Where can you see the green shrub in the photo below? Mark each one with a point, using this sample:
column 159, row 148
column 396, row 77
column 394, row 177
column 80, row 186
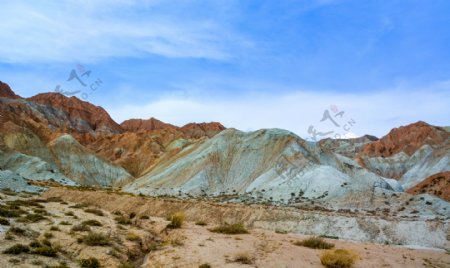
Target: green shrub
column 16, row 230
column 122, row 220
column 31, row 218
column 201, row 223
column 48, row 235
column 315, row 243
column 55, row 228
column 133, row 237
column 90, row 263
column 92, row 223
column 338, row 258
column 96, row 239
column 17, row 249
column 236, row 228
column 81, row 228
column 47, row 251
column 9, row 212
column 97, row 212
column 4, row 221
column 176, row 220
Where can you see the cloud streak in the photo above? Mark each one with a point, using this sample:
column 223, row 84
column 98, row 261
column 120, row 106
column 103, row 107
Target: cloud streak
column 88, row 31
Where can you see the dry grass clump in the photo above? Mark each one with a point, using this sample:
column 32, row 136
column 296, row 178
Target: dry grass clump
column 95, row 211
column 176, row 220
column 315, row 243
column 201, row 223
column 92, row 223
column 4, row 221
column 338, row 258
column 81, row 228
column 235, row 228
column 17, row 249
column 205, row 265
column 133, row 237
column 244, row 258
column 90, row 263
column 122, row 220
column 32, row 218
column 96, row 239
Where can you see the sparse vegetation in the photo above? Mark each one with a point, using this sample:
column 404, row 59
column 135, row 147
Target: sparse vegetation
column 45, row 250
column 17, row 249
column 176, row 220
column 236, row 228
column 4, row 221
column 81, row 228
column 315, row 243
column 133, row 237
column 338, row 258
column 96, row 239
column 94, row 211
column 90, row 263
column 31, row 218
column 92, row 223
column 122, row 220
column 243, row 257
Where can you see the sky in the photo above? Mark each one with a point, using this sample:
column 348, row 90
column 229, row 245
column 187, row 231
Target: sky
column 330, row 68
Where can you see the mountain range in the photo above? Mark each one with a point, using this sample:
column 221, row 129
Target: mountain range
column 52, row 138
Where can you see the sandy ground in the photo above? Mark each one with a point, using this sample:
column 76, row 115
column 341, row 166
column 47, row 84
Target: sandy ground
column 190, row 246
column 270, row 249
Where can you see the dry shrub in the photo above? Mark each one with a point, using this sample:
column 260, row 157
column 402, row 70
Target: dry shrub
column 235, row 228
column 338, row 258
column 315, row 243
column 176, row 220
column 244, row 258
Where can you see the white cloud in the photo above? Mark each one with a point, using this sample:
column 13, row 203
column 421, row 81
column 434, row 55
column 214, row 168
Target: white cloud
column 86, row 31
column 373, row 113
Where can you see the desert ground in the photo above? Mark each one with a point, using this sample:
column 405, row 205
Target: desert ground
column 67, row 227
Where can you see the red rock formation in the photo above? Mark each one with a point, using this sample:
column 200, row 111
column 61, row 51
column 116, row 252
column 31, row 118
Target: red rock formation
column 133, row 125
column 407, row 139
column 198, row 130
column 437, row 184
column 84, row 116
column 6, row 91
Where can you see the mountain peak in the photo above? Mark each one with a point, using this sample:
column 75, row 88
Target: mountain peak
column 7, row 92
column 141, row 124
column 407, row 139
column 95, row 116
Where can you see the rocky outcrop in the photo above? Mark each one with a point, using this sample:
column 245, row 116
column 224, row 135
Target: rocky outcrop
column 82, row 116
column 272, row 165
column 133, row 125
column 6, row 92
column 407, row 139
column 84, row 167
column 198, row 130
column 437, row 184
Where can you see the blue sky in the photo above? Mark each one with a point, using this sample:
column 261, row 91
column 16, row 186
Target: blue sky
column 248, row 64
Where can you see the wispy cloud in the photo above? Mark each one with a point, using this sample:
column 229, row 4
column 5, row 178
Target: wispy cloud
column 373, row 112
column 87, row 31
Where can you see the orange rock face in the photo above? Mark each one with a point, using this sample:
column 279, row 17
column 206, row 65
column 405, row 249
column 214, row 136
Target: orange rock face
column 83, row 115
column 438, row 185
column 6, row 92
column 132, row 125
column 195, row 130
column 406, row 139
